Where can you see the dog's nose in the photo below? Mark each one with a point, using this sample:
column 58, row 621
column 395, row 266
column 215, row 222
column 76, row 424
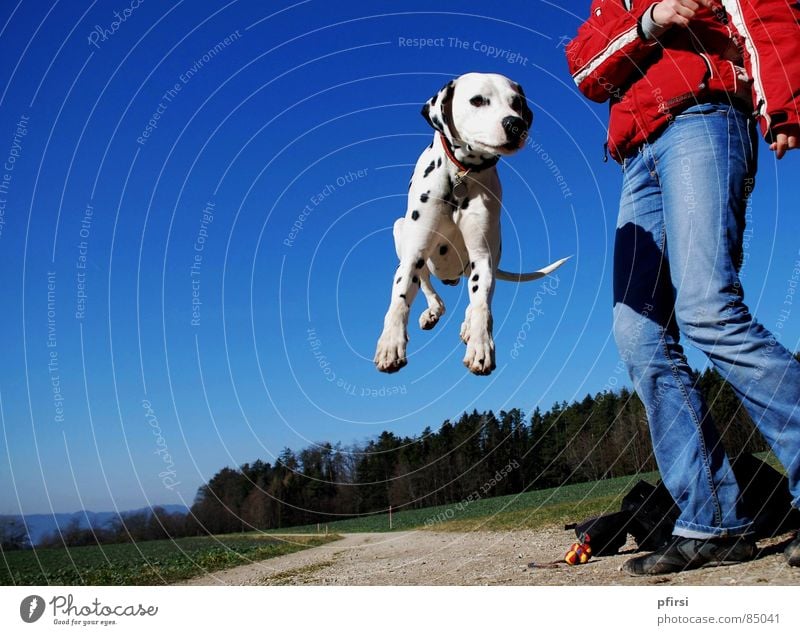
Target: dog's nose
column 516, row 129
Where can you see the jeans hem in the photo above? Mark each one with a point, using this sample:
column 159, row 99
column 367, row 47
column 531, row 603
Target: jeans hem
column 690, row 530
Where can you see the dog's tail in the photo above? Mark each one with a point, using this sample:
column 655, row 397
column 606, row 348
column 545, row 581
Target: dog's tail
column 534, row 275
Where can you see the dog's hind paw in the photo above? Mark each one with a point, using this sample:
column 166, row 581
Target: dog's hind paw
column 430, row 318
column 390, row 355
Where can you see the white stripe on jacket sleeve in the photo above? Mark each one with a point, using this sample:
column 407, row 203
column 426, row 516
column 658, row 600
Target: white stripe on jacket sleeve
column 614, row 47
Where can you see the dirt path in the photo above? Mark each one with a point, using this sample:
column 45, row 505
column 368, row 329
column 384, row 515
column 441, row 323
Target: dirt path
column 478, row 558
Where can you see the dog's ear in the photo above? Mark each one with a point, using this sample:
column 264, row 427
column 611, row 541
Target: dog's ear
column 525, row 111
column 438, row 112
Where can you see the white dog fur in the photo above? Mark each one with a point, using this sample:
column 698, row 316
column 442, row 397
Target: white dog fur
column 452, row 225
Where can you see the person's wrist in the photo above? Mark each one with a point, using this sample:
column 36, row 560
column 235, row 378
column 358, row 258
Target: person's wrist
column 652, row 13
column 649, row 27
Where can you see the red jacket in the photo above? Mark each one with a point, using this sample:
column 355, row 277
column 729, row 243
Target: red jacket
column 749, row 52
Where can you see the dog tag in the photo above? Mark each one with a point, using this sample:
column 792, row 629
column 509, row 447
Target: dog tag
column 460, row 188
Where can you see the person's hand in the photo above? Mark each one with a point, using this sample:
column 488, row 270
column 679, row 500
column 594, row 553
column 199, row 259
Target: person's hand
column 785, row 141
column 679, row 12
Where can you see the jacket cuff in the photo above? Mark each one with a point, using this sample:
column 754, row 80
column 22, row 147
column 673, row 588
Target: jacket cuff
column 785, row 127
column 649, row 29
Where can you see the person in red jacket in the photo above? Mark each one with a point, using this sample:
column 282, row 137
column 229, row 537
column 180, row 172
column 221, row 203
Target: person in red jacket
column 689, row 83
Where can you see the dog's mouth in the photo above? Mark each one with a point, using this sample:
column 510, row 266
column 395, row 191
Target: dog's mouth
column 505, row 149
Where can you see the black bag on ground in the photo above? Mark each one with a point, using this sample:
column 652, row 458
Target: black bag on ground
column 653, row 514
column 765, row 496
column 648, row 512
column 606, row 534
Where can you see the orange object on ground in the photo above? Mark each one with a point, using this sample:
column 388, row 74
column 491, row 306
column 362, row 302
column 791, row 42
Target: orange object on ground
column 579, row 553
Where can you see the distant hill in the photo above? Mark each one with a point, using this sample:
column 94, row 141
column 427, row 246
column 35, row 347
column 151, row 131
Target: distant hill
column 41, row 525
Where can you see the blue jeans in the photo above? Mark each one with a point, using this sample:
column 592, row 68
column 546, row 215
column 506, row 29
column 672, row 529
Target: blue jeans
column 676, row 260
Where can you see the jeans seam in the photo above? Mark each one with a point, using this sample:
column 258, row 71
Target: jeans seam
column 723, row 211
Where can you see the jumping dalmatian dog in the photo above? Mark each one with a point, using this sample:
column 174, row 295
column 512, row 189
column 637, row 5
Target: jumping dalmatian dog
column 452, row 225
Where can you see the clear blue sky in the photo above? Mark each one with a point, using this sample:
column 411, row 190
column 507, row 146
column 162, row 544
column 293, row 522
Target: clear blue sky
column 307, row 112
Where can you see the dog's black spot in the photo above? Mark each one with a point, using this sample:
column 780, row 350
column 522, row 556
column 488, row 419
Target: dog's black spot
column 403, row 295
column 471, row 156
column 465, row 203
column 472, row 264
column 475, row 278
column 424, row 197
column 437, row 123
column 439, row 162
column 435, row 97
column 429, row 169
column 430, row 147
column 475, row 288
column 398, row 280
column 419, row 264
column 415, row 280
column 414, row 215
column 451, row 283
column 442, row 250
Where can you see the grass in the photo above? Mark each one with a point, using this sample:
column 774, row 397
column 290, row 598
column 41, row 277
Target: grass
column 152, row 562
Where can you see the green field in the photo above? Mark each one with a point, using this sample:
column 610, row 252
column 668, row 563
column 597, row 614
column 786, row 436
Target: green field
column 151, row 562
column 531, row 510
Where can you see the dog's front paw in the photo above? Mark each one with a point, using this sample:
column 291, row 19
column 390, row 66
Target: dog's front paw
column 430, row 317
column 390, row 355
column 480, row 353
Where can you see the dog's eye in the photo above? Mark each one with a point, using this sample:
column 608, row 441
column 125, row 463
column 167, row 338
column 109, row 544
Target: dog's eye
column 516, row 104
column 479, row 101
